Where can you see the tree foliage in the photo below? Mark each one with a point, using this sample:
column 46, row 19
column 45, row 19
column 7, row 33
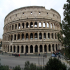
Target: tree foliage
column 4, row 67
column 65, row 26
column 17, row 68
column 55, row 64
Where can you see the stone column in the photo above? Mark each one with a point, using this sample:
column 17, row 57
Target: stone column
column 46, row 35
column 38, row 35
column 29, row 24
column 47, row 47
column 42, row 36
column 16, row 36
column 24, row 25
column 20, row 36
column 37, row 24
column 28, row 49
column 19, row 48
column 20, row 25
column 9, row 48
column 45, row 25
column 17, row 26
column 33, row 35
column 12, row 49
column 43, row 48
column 42, row 24
column 33, row 48
column 24, row 36
column 33, row 24
column 38, row 49
column 55, row 47
column 16, row 48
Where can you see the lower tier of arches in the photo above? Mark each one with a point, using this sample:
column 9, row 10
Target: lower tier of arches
column 31, row 49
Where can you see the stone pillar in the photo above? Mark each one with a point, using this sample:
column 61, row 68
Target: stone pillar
column 33, row 24
column 24, row 36
column 46, row 35
column 42, row 36
column 42, row 24
column 19, row 48
column 43, row 48
column 45, row 25
column 9, row 48
column 20, row 25
column 24, row 25
column 47, row 47
column 37, row 24
column 55, row 47
column 33, row 48
column 12, row 49
column 17, row 26
column 38, row 35
column 28, row 48
column 33, row 35
column 29, row 24
column 16, row 48
column 38, row 49
column 16, row 36
column 20, row 36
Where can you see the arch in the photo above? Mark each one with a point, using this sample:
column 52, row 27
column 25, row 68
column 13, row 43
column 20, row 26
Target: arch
column 52, row 35
column 41, row 50
column 26, row 35
column 22, row 49
column 22, row 25
column 40, row 24
column 36, row 48
column 51, row 25
column 35, row 36
column 17, row 49
column 11, row 37
column 14, row 48
column 53, row 47
column 27, row 25
column 48, row 35
column 56, row 47
column 26, row 49
column 31, row 49
column 15, row 26
column 19, row 26
column 44, row 24
column 44, row 35
column 40, row 35
column 45, row 48
column 15, row 37
column 12, row 27
column 22, row 36
column 49, row 48
column 18, row 36
column 11, row 49
column 47, row 25
column 31, row 36
column 35, row 24
column 31, row 24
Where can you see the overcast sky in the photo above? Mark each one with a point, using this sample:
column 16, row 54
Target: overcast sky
column 7, row 6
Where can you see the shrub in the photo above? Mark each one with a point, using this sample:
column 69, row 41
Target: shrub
column 55, row 64
column 17, row 68
column 4, row 67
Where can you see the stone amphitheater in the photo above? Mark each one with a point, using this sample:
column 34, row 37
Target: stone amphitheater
column 30, row 30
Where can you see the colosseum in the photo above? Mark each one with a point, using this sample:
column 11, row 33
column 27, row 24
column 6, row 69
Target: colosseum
column 31, row 30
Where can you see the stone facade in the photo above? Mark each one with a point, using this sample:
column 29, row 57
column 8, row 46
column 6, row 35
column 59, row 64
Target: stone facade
column 31, row 30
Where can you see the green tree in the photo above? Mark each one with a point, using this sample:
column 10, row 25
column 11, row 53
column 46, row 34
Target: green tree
column 55, row 64
column 17, row 68
column 65, row 28
column 4, row 67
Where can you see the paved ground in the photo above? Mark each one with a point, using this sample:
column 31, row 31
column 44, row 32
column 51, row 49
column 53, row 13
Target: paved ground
column 13, row 61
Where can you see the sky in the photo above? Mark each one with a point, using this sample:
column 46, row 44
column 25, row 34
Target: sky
column 7, row 6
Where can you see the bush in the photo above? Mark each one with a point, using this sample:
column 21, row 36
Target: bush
column 55, row 64
column 4, row 67
column 17, row 68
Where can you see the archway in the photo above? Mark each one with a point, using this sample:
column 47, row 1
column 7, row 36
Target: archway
column 17, row 49
column 40, row 48
column 31, row 49
column 21, row 49
column 11, row 49
column 36, row 48
column 53, row 47
column 26, row 49
column 49, row 48
column 14, row 49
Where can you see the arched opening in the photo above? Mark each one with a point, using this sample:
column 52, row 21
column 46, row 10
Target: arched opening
column 8, row 48
column 41, row 48
column 36, row 36
column 49, row 48
column 43, row 24
column 44, row 35
column 22, row 25
column 26, row 35
column 40, row 24
column 26, row 49
column 53, row 47
column 52, row 35
column 27, row 25
column 11, row 37
column 19, row 26
column 40, row 35
column 31, row 36
column 48, row 35
column 18, row 36
column 17, row 49
column 15, row 26
column 55, row 35
column 22, row 36
column 45, row 48
column 36, row 48
column 11, row 49
column 14, row 49
column 22, row 49
column 31, row 49
column 56, row 47
column 31, row 25
column 51, row 25
column 47, row 25
column 12, row 27
column 35, row 24
column 15, row 37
